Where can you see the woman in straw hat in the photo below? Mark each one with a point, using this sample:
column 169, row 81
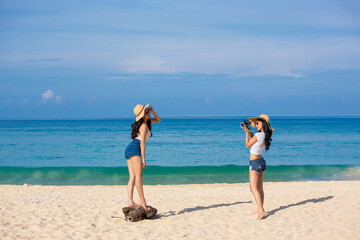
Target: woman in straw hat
column 135, row 152
column 259, row 141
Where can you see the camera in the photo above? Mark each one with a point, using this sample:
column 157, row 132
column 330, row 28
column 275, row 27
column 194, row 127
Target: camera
column 245, row 124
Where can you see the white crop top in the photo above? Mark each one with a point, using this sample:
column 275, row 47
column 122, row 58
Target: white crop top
column 259, row 145
column 148, row 134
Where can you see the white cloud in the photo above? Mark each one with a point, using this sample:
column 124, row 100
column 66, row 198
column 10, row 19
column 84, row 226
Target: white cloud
column 243, row 39
column 47, row 96
column 118, row 78
column 208, row 100
column 91, row 100
column 59, row 99
column 25, row 101
column 144, row 64
column 241, row 55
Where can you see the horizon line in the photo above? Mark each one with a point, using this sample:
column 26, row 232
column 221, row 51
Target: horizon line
column 170, row 116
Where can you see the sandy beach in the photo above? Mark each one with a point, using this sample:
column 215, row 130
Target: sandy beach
column 297, row 210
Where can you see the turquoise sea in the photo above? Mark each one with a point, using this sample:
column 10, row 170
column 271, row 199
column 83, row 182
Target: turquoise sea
column 181, row 151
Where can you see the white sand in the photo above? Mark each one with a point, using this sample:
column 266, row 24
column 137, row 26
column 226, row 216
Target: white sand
column 298, row 210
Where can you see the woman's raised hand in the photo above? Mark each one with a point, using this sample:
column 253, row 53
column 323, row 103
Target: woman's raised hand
column 151, row 109
column 245, row 129
column 157, row 118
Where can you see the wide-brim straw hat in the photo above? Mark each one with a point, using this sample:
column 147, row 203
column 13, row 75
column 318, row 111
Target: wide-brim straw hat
column 139, row 111
column 262, row 117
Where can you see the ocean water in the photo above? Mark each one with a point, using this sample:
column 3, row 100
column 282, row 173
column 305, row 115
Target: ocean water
column 181, row 151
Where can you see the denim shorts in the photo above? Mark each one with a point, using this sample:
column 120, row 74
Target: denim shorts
column 133, row 149
column 258, row 165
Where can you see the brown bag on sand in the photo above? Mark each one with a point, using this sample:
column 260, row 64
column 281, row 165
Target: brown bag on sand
column 134, row 214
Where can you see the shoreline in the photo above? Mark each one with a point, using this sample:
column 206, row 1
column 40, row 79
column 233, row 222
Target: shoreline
column 154, row 175
column 297, row 210
column 179, row 185
column 175, row 185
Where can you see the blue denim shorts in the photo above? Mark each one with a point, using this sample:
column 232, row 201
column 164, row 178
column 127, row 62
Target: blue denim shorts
column 133, row 149
column 258, row 165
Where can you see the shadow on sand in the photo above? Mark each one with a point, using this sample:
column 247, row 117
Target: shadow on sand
column 198, row 208
column 313, row 200
column 270, row 213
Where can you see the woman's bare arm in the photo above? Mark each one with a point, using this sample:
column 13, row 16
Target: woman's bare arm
column 157, row 118
column 249, row 141
column 143, row 130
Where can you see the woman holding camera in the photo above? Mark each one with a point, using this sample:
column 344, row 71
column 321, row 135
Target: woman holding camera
column 257, row 142
column 135, row 151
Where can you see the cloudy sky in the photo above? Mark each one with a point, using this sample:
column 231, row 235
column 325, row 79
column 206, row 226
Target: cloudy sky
column 69, row 59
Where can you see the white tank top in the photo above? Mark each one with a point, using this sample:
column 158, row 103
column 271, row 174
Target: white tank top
column 259, row 145
column 148, row 134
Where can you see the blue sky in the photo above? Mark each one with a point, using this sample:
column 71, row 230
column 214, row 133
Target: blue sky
column 64, row 59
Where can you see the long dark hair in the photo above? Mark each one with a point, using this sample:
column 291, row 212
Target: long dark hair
column 268, row 133
column 136, row 126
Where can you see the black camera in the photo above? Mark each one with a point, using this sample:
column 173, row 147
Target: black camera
column 245, row 124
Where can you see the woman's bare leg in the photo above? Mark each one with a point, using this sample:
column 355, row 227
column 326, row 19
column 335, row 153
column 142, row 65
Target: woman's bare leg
column 260, row 187
column 136, row 163
column 130, row 187
column 251, row 190
column 254, row 183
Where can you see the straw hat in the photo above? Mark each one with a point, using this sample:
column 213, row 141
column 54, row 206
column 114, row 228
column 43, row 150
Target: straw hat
column 262, row 117
column 139, row 111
